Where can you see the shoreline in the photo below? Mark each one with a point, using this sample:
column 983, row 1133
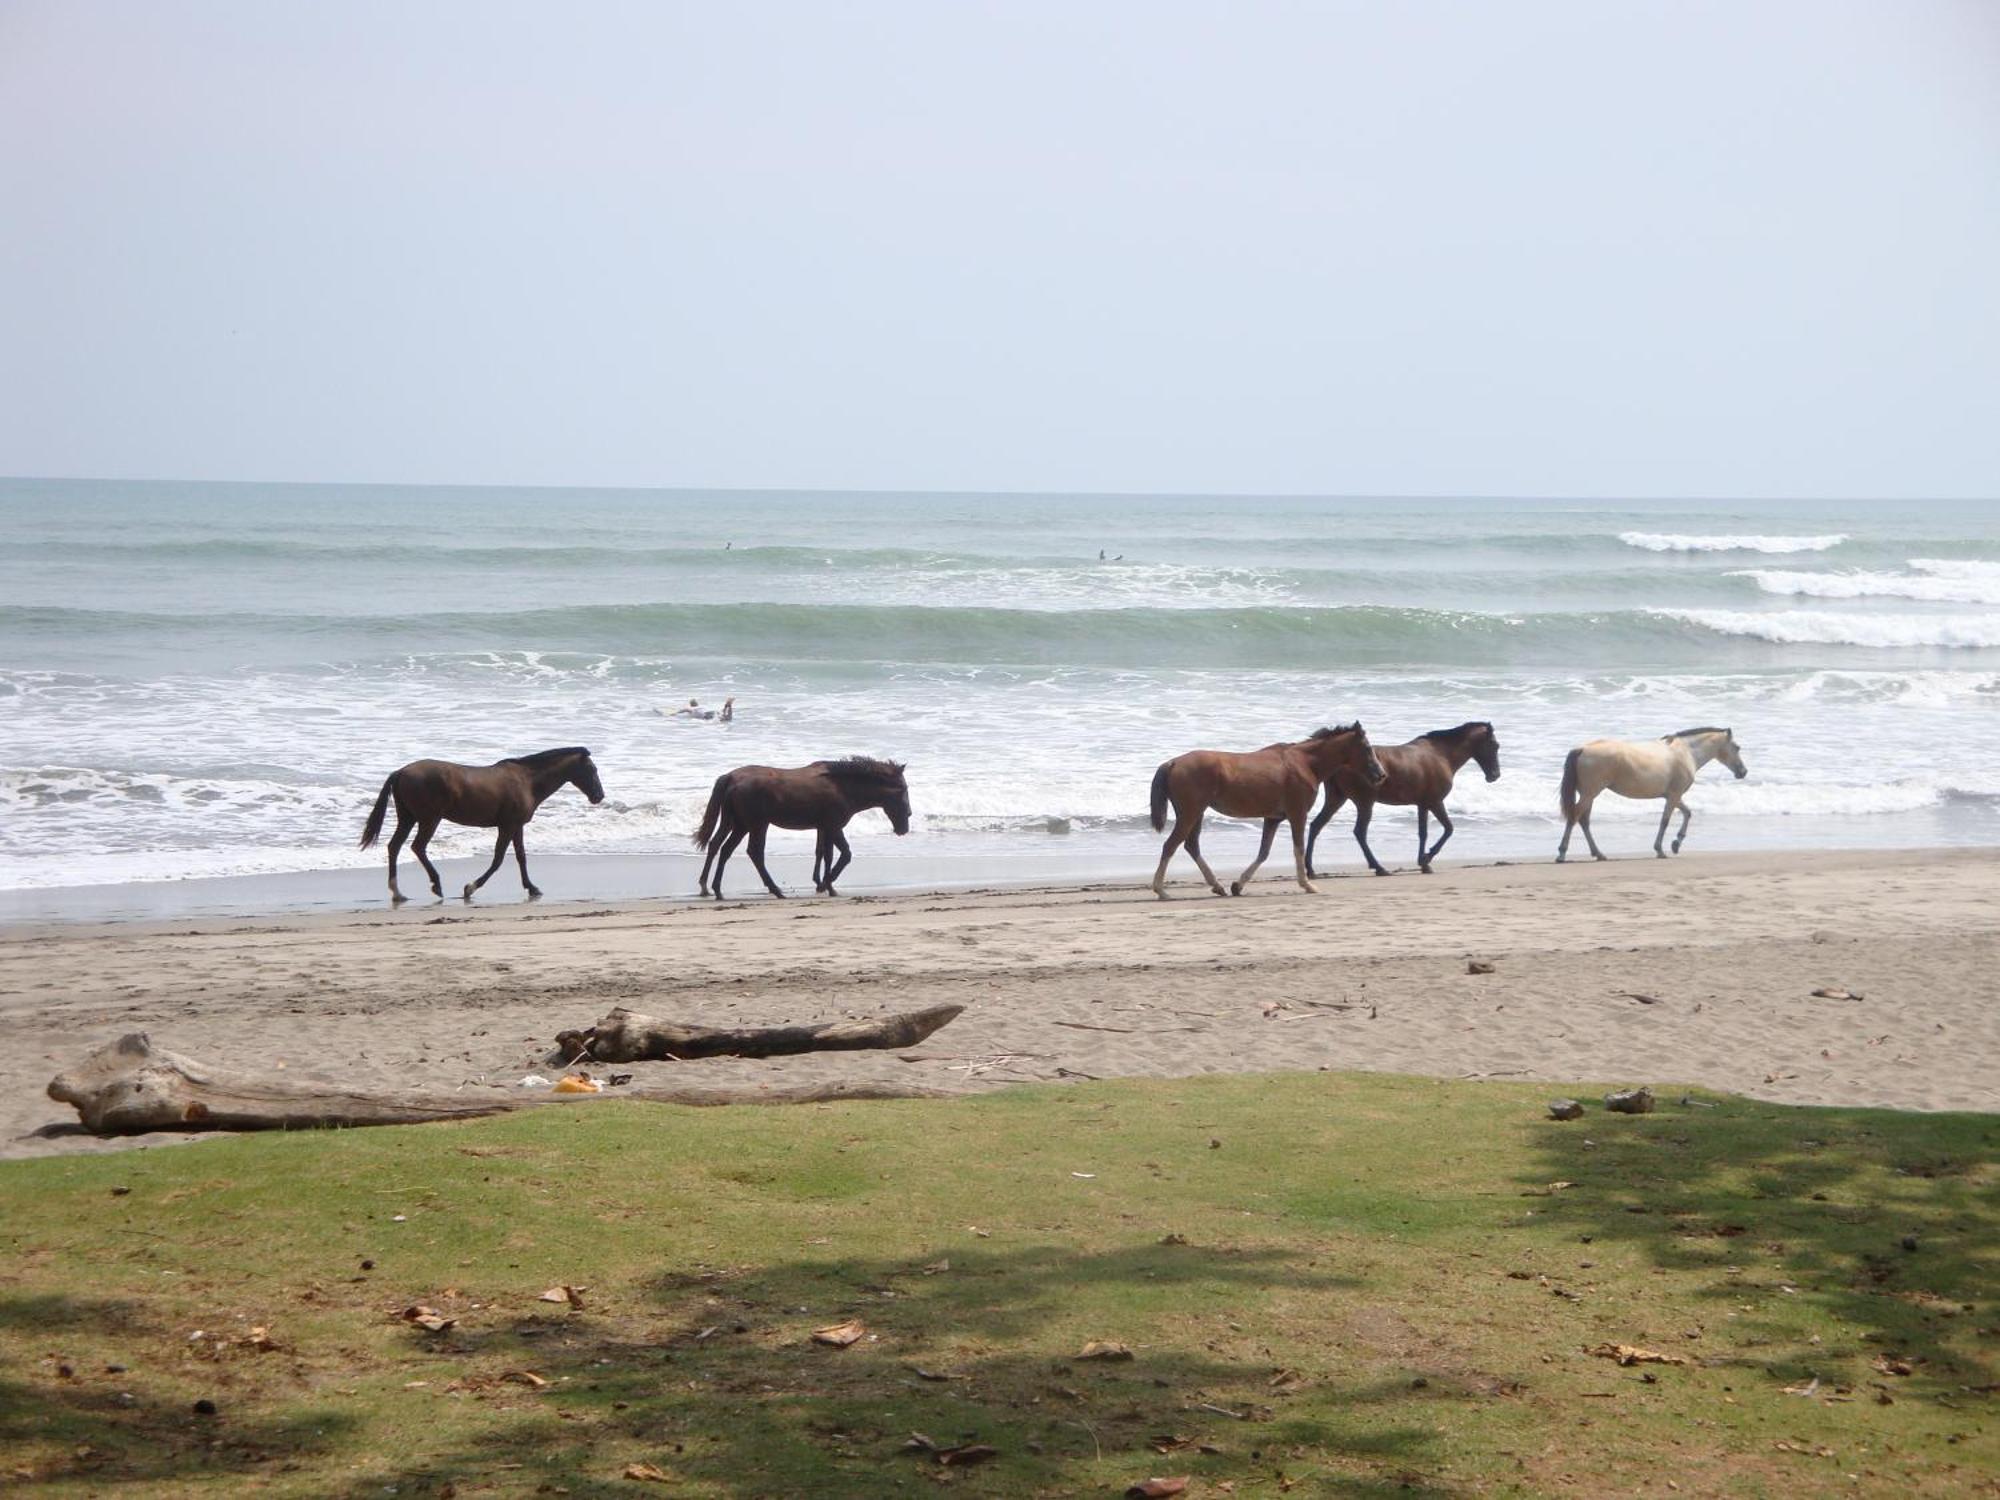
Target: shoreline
column 884, row 865
column 1066, row 981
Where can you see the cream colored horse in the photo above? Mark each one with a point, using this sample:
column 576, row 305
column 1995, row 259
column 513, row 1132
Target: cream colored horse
column 1640, row 768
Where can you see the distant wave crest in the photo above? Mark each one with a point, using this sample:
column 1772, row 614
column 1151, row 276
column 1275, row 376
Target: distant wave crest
column 1963, row 584
column 1817, row 628
column 1672, row 541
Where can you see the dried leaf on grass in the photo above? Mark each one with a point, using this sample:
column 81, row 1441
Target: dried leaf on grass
column 1893, row 1364
column 840, row 1335
column 1632, row 1354
column 958, row 1457
column 427, row 1318
column 1157, row 1489
column 528, row 1378
column 1104, row 1349
column 572, row 1295
column 652, row 1473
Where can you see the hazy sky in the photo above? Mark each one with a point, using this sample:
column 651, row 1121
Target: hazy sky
column 1572, row 249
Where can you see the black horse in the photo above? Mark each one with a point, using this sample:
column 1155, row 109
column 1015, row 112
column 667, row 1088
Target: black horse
column 503, row 795
column 823, row 796
column 1420, row 774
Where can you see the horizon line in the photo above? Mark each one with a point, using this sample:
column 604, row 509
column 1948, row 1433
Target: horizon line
column 974, row 493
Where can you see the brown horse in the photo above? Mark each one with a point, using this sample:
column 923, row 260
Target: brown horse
column 822, row 796
column 503, row 795
column 1420, row 774
column 1277, row 784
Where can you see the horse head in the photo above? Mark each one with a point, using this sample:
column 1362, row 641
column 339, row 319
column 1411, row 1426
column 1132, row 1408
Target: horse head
column 898, row 804
column 584, row 774
column 1346, row 748
column 1486, row 750
column 1730, row 755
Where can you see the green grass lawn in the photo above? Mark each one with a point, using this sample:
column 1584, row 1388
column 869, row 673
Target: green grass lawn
column 1329, row 1284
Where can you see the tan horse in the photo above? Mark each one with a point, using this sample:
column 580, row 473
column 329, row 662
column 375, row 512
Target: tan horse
column 503, row 795
column 1278, row 784
column 1642, row 769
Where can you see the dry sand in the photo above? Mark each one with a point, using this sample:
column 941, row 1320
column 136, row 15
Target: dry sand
column 1101, row 982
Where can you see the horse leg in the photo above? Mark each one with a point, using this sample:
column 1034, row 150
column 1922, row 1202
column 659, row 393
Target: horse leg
column 1687, row 816
column 421, row 843
column 499, row 853
column 1444, row 822
column 1174, row 841
column 822, row 858
column 1334, row 802
column 757, row 837
column 1263, row 853
column 728, row 847
column 1194, row 848
column 1299, row 851
column 1666, row 817
column 1583, row 822
column 521, row 858
column 837, row 840
column 396, row 896
column 1363, row 813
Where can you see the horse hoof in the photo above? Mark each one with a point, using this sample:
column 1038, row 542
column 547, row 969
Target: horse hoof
column 1380, row 871
column 1426, row 869
column 1235, row 887
column 534, row 893
column 397, row 898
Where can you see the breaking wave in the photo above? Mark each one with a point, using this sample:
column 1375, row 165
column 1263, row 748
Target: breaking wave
column 1670, row 541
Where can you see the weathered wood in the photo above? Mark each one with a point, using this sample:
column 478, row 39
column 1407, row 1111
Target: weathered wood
column 130, row 1086
column 627, row 1036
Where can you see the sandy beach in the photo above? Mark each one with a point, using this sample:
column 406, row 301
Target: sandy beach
column 1098, row 982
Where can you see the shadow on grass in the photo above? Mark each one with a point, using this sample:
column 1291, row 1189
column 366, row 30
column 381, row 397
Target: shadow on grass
column 724, row 1389
column 1886, row 1223
column 90, row 1422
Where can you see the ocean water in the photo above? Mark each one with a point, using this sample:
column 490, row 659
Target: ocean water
column 206, row 680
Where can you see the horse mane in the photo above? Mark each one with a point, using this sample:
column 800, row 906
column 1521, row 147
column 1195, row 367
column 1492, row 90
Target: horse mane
column 1331, row 730
column 543, row 758
column 866, row 768
column 1688, row 734
column 1459, row 733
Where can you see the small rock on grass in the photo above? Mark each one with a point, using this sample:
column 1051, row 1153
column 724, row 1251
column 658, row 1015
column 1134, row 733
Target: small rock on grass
column 1565, row 1109
column 1630, row 1102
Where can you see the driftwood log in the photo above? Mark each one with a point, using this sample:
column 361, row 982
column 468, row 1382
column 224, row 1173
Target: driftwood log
column 130, row 1086
column 626, row 1036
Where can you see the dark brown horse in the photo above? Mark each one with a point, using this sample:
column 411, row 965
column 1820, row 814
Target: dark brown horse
column 1420, row 774
column 1277, row 784
column 823, row 796
column 503, row 795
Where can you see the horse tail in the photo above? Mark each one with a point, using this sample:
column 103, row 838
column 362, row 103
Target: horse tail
column 374, row 829
column 714, row 811
column 1160, row 778
column 1569, row 781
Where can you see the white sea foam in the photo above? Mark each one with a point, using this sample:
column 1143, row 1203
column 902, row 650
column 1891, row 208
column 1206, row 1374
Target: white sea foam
column 1672, row 541
column 1956, row 567
column 1818, row 628
column 1955, row 587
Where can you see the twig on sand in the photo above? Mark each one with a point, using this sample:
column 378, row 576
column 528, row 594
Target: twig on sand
column 1087, row 1026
